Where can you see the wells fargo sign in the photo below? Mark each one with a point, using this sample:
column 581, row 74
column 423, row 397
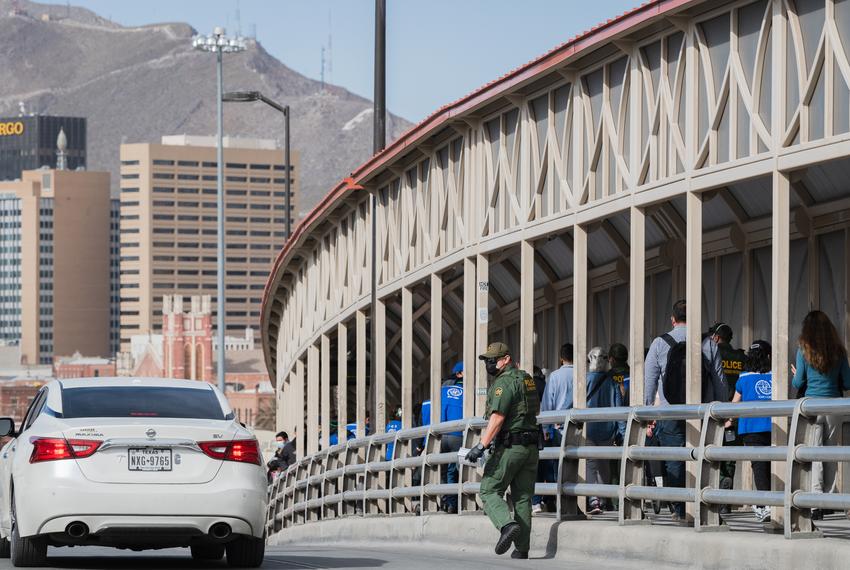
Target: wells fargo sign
column 11, row 128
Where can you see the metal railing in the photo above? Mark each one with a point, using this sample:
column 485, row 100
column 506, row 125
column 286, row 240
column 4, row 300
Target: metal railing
column 356, row 478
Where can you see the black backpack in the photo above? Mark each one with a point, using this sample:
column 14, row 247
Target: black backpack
column 674, row 371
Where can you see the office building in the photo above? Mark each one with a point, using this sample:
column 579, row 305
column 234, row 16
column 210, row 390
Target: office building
column 114, row 276
column 29, row 143
column 169, row 232
column 54, row 264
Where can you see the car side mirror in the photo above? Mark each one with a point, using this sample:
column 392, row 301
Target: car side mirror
column 7, row 427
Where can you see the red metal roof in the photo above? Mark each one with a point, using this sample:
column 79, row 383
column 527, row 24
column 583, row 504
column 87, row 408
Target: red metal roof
column 431, row 124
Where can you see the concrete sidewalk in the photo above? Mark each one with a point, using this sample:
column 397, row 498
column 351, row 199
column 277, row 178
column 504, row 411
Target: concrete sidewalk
column 600, row 537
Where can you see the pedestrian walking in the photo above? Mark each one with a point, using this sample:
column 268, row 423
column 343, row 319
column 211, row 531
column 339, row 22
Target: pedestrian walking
column 732, row 359
column 557, row 395
column 602, row 392
column 451, row 408
column 618, row 357
column 821, row 370
column 754, row 384
column 664, row 378
column 511, row 413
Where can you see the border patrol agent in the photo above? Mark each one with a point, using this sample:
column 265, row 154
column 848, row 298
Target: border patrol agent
column 511, row 413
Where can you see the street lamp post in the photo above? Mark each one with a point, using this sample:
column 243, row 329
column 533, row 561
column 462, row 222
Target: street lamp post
column 219, row 44
column 249, row 96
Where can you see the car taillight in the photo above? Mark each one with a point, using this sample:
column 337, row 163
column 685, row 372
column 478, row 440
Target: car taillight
column 240, row 450
column 54, row 448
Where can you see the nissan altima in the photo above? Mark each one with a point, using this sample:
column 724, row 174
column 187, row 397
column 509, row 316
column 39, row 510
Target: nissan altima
column 131, row 463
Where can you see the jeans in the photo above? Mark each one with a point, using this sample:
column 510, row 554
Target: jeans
column 450, row 443
column 671, row 433
column 547, row 470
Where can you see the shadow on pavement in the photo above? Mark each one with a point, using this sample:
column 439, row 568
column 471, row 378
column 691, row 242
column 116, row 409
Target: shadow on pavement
column 274, row 560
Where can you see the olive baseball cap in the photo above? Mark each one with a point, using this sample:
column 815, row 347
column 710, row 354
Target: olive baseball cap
column 495, row 350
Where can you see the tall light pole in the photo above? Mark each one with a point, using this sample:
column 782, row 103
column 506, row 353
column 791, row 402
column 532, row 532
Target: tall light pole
column 249, row 96
column 219, row 44
column 379, row 141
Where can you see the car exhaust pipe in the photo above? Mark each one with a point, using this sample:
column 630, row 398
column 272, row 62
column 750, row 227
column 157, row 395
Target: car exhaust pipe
column 220, row 531
column 77, row 530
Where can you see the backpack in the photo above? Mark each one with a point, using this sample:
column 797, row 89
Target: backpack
column 674, row 371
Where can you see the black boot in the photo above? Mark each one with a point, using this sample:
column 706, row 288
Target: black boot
column 509, row 533
column 520, row 555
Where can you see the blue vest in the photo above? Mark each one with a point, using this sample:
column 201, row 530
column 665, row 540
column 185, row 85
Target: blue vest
column 753, row 387
column 451, row 404
column 425, row 414
column 392, row 426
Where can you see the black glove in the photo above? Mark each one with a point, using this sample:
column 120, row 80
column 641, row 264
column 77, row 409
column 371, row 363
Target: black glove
column 475, row 453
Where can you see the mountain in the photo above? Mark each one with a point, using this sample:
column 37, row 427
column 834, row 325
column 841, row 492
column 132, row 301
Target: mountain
column 135, row 84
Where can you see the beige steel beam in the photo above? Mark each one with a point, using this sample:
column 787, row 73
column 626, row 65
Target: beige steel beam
column 637, row 286
column 693, row 295
column 379, row 361
column 526, row 303
column 342, row 381
column 360, row 413
column 299, row 433
column 475, row 371
column 780, row 279
column 580, row 296
column 325, row 375
column 312, row 399
column 436, row 345
column 407, row 419
column 469, row 303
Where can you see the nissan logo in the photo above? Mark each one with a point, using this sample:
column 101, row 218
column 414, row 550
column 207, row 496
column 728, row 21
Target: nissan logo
column 151, row 433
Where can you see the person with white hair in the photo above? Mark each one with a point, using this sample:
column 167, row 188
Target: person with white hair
column 602, row 392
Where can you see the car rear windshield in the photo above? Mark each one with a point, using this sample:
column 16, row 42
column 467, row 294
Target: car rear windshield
column 140, row 402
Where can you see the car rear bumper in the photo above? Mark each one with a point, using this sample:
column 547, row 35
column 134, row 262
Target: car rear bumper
column 130, row 530
column 238, row 495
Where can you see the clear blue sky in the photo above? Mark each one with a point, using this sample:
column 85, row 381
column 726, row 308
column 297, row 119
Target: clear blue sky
column 437, row 50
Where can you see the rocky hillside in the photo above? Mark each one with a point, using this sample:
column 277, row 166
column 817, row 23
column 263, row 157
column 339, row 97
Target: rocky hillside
column 137, row 84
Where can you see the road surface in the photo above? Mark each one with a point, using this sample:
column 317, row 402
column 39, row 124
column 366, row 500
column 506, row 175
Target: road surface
column 313, row 556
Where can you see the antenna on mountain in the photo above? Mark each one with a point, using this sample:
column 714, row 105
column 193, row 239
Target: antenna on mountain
column 322, row 73
column 238, row 21
column 330, row 48
column 252, row 31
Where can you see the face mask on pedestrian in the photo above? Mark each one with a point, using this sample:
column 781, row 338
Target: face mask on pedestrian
column 279, row 444
column 491, row 364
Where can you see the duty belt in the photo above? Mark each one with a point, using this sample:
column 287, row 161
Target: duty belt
column 509, row 439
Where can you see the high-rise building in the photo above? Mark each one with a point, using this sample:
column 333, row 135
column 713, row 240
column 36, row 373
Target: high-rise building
column 169, row 232
column 114, row 276
column 29, row 143
column 54, row 264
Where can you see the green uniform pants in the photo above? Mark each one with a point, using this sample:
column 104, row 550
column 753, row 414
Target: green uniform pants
column 514, row 467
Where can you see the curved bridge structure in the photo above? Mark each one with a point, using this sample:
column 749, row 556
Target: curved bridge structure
column 687, row 149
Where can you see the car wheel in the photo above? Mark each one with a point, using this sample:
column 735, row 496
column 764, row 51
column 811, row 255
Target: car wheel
column 246, row 552
column 207, row 551
column 5, row 548
column 29, row 551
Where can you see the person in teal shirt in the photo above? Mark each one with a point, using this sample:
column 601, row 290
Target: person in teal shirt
column 822, row 371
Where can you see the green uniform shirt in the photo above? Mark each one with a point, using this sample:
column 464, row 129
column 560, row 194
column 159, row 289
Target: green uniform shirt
column 514, row 395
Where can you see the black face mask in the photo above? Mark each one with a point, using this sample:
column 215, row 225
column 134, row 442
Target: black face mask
column 490, row 365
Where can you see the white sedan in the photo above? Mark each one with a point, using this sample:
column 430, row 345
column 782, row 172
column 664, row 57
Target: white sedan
column 131, row 463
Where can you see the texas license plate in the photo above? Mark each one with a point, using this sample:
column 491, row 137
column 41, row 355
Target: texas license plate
column 149, row 459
